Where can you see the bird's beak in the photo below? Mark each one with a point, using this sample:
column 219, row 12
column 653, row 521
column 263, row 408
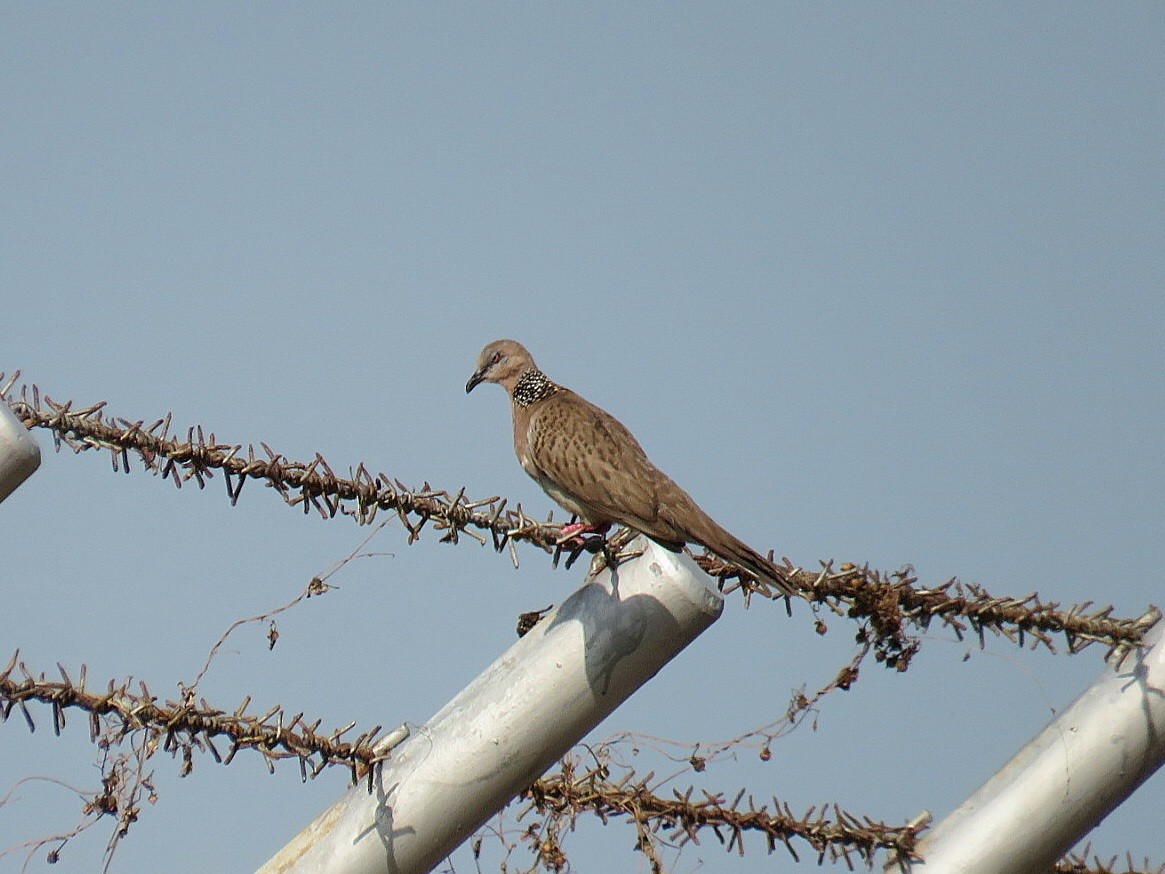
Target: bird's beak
column 474, row 380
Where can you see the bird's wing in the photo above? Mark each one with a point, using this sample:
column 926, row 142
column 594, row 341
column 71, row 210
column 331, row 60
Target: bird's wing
column 588, row 462
column 589, row 455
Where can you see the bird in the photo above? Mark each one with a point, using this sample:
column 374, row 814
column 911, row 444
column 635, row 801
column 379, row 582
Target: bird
column 591, row 465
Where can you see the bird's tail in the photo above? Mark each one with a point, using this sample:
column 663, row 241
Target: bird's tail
column 729, row 548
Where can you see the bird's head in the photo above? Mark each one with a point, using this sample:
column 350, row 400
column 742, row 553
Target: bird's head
column 503, row 362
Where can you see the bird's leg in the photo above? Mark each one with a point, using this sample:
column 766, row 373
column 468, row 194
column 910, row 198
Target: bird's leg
column 610, row 552
column 575, row 531
column 579, row 537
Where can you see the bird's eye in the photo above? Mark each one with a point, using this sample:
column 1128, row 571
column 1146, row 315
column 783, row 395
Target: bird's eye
column 495, row 358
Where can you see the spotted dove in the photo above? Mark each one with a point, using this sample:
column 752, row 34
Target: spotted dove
column 588, row 462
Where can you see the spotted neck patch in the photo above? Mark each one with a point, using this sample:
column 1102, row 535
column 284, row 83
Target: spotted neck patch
column 533, row 385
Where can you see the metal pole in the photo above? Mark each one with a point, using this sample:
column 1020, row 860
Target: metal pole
column 514, row 721
column 19, row 453
column 1065, row 781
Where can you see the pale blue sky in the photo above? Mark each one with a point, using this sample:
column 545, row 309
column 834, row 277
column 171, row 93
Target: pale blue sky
column 876, row 284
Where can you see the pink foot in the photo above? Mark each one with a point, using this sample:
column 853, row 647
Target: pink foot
column 573, row 532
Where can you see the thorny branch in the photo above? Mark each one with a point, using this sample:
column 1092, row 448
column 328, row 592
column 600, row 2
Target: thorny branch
column 888, row 604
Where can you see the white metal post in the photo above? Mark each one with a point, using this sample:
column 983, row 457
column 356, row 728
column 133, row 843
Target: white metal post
column 19, row 453
column 514, row 721
column 1065, row 781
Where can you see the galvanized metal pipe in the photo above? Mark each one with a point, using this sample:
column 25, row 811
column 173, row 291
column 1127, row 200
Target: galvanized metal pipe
column 514, row 721
column 1065, row 781
column 19, row 453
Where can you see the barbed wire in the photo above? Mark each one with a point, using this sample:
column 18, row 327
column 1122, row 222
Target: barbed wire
column 1077, row 863
column 183, row 727
column 888, row 603
column 830, row 831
